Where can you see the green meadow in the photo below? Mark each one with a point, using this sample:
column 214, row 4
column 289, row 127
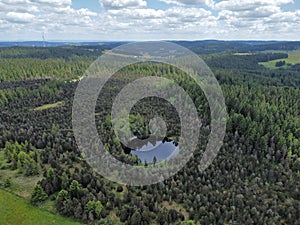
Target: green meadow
column 15, row 210
column 294, row 58
column 49, row 106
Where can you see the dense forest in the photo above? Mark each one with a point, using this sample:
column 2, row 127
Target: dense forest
column 255, row 178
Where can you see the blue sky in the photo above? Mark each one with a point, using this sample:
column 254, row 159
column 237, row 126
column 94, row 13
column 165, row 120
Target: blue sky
column 94, row 20
column 95, row 5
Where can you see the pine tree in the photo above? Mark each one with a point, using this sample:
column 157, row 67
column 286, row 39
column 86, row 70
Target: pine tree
column 38, row 194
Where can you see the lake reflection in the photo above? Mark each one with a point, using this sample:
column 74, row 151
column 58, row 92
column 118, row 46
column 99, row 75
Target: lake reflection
column 161, row 150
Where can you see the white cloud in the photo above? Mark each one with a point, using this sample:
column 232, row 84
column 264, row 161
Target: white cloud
column 33, row 6
column 19, row 17
column 14, row 1
column 85, row 12
column 284, row 17
column 189, row 2
column 258, row 13
column 149, row 20
column 181, row 12
column 246, row 5
column 137, row 13
column 254, row 17
column 118, row 4
column 17, row 6
column 132, row 19
column 54, row 3
column 174, row 12
column 27, row 19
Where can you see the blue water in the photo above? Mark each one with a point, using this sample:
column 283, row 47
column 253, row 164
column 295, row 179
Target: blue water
column 161, row 150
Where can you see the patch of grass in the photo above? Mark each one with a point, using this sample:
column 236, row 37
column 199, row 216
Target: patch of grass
column 48, row 205
column 294, row 58
column 242, row 53
column 177, row 207
column 19, row 184
column 120, row 195
column 49, row 106
column 15, row 210
column 114, row 218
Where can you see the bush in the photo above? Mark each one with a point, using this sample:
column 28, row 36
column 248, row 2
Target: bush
column 280, row 63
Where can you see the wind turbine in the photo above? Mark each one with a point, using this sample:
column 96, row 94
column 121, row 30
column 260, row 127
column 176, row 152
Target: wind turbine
column 43, row 37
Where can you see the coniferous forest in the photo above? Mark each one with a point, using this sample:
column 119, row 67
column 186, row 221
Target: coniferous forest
column 255, row 178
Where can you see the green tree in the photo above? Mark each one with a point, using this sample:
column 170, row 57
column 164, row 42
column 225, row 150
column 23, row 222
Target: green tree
column 50, row 173
column 31, row 167
column 94, row 209
column 38, row 194
column 154, row 160
column 136, row 218
column 189, row 222
column 62, row 201
column 22, row 157
column 75, row 188
column 7, row 183
column 8, row 151
column 55, row 129
column 98, row 209
column 65, row 181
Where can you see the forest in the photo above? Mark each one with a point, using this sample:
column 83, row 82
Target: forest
column 255, row 178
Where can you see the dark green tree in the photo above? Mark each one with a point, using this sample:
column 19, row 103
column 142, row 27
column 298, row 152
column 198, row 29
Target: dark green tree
column 38, row 195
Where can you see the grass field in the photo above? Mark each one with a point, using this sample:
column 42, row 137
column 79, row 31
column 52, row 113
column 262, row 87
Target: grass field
column 242, row 53
column 18, row 211
column 14, row 200
column 294, row 58
column 20, row 184
column 49, row 106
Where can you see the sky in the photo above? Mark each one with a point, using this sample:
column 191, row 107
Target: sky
column 115, row 20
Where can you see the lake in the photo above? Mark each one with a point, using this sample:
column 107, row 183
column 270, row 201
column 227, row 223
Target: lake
column 162, row 150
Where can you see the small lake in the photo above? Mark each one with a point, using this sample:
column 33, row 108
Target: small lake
column 162, row 150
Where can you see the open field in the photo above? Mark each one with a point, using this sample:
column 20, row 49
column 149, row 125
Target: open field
column 49, row 106
column 243, row 53
column 294, row 58
column 19, row 184
column 15, row 210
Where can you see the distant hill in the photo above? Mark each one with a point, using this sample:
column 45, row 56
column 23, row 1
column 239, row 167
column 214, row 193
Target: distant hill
column 199, row 47
column 56, row 44
column 214, row 46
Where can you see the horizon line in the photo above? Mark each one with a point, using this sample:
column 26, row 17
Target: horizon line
column 187, row 40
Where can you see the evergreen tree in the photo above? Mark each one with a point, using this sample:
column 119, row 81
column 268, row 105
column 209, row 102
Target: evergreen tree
column 38, row 194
